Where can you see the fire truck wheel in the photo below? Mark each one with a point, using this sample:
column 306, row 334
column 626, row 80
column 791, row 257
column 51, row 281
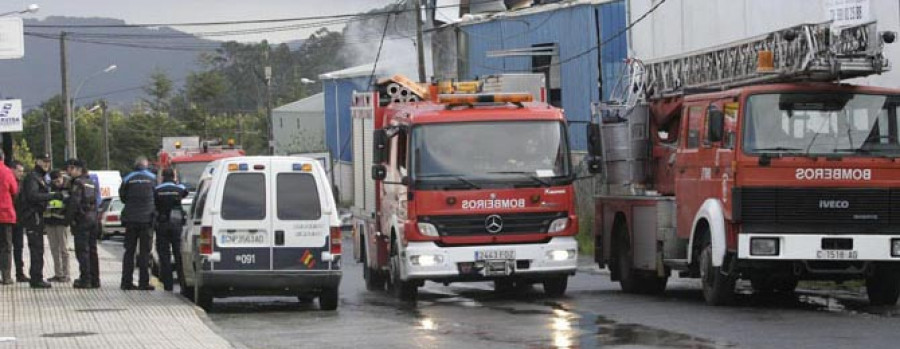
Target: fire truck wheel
column 374, row 279
column 328, row 300
column 883, row 286
column 718, row 288
column 628, row 279
column 556, row 286
column 403, row 290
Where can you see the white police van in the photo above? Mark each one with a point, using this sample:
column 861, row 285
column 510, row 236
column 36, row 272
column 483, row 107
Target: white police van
column 262, row 225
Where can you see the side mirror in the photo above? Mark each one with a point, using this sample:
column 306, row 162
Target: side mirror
column 379, row 146
column 715, row 124
column 593, row 139
column 594, row 164
column 379, row 172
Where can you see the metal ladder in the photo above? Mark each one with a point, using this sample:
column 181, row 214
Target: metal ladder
column 807, row 52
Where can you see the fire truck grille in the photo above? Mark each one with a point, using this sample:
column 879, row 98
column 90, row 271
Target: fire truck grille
column 518, row 223
column 818, row 205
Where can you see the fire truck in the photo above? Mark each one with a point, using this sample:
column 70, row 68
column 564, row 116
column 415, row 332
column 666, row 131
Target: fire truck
column 467, row 187
column 189, row 156
column 752, row 161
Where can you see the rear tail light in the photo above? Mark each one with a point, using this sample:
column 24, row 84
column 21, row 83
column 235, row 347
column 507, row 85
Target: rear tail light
column 112, row 218
column 206, row 241
column 335, row 240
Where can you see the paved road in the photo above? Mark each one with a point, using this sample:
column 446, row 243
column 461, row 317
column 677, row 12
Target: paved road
column 593, row 314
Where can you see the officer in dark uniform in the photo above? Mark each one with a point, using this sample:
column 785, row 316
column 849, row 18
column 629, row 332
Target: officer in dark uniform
column 81, row 213
column 136, row 193
column 169, row 222
column 35, row 194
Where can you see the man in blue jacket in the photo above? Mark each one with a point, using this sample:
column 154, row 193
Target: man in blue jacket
column 136, row 193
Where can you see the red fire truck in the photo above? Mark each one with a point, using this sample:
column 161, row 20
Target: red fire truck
column 753, row 161
column 469, row 187
column 189, row 156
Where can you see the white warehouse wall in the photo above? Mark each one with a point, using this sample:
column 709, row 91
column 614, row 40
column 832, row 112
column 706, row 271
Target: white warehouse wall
column 679, row 26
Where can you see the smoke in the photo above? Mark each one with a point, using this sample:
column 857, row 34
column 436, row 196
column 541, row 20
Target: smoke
column 398, row 54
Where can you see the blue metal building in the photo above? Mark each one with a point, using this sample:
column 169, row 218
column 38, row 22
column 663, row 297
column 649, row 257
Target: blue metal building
column 579, row 45
column 338, row 87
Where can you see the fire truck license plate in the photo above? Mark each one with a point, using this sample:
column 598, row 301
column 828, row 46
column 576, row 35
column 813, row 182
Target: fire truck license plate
column 837, row 254
column 495, row 254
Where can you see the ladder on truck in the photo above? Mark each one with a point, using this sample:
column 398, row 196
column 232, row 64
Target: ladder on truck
column 806, row 52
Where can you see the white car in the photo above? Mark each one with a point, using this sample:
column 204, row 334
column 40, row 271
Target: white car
column 263, row 225
column 111, row 217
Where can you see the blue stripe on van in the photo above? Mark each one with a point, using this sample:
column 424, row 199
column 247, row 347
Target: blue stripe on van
column 243, row 258
column 291, row 258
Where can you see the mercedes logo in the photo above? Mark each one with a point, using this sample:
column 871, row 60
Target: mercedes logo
column 493, row 224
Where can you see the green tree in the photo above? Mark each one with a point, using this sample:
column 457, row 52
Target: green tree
column 22, row 152
column 159, row 90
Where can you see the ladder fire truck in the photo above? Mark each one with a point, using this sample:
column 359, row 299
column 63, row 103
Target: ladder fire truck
column 752, row 161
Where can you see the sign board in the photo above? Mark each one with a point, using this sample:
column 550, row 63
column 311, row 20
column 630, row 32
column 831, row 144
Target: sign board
column 11, row 115
column 848, row 12
column 12, row 38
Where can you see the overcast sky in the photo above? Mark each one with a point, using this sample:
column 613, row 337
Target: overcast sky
column 180, row 11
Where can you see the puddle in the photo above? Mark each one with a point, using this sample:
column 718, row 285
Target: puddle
column 100, row 310
column 613, row 333
column 68, row 334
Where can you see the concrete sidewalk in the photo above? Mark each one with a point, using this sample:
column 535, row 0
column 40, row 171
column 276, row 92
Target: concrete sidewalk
column 63, row 317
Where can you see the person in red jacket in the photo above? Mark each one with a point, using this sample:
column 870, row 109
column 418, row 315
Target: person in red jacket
column 9, row 188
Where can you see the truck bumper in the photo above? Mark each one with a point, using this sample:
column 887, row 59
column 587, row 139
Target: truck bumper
column 450, row 263
column 816, row 247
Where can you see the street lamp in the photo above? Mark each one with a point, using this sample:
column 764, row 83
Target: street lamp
column 30, row 9
column 72, row 152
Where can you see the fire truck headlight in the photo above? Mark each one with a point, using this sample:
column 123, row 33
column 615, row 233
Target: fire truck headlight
column 558, row 225
column 895, row 247
column 426, row 260
column 561, row 255
column 428, row 229
column 764, row 247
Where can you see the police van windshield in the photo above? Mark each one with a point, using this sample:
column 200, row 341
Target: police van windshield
column 516, row 152
column 838, row 124
column 189, row 173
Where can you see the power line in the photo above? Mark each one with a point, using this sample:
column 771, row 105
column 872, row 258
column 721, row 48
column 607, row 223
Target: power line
column 253, row 21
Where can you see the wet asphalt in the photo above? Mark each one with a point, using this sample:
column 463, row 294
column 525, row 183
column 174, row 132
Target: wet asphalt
column 593, row 314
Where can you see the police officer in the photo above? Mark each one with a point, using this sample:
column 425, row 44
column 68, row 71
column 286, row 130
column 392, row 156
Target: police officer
column 35, row 196
column 18, row 231
column 81, row 213
column 57, row 228
column 169, row 222
column 136, row 193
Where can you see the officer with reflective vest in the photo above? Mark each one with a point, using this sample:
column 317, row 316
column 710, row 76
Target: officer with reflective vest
column 81, row 213
column 58, row 228
column 170, row 219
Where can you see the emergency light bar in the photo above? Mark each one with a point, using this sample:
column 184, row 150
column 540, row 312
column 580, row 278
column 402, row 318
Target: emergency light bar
column 485, row 98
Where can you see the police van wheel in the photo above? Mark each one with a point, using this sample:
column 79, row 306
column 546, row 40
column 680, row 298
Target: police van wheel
column 328, row 300
column 205, row 300
column 883, row 286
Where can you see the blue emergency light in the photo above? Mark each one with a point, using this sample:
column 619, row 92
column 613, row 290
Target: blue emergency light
column 243, row 167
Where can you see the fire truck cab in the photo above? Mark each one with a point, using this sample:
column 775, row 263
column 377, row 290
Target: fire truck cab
column 471, row 188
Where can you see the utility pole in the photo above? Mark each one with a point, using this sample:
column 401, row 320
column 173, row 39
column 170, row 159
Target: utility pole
column 420, row 44
column 48, row 144
column 103, row 109
column 270, row 125
column 67, row 105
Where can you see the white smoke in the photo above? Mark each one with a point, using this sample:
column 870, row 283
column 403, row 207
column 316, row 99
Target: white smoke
column 398, row 53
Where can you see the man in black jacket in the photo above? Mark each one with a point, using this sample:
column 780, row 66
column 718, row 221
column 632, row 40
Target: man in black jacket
column 81, row 213
column 18, row 231
column 169, row 222
column 35, row 196
column 136, row 193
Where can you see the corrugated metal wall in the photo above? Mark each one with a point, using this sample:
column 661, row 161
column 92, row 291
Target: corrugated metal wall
column 575, row 31
column 338, row 95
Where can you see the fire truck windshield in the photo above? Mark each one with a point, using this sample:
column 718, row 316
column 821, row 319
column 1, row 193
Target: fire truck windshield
column 516, row 152
column 189, row 172
column 840, row 124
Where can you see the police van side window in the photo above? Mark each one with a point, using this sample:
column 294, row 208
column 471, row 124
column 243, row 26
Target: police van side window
column 200, row 201
column 245, row 197
column 302, row 199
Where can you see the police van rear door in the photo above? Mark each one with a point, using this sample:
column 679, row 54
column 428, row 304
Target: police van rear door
column 300, row 219
column 242, row 228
